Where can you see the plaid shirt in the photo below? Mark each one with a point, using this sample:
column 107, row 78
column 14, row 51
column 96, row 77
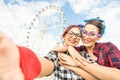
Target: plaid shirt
column 61, row 73
column 107, row 54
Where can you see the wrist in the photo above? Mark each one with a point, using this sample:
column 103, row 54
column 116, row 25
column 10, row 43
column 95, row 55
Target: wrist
column 64, row 49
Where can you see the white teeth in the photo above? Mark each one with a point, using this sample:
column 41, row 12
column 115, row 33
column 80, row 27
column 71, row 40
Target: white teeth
column 86, row 41
column 72, row 41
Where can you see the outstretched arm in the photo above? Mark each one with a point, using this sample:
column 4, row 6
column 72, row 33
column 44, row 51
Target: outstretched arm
column 101, row 72
column 9, row 52
column 47, row 67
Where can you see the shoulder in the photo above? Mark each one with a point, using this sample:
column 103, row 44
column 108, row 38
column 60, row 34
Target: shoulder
column 108, row 45
column 27, row 54
column 80, row 48
column 28, row 57
column 52, row 55
column 105, row 44
column 26, row 51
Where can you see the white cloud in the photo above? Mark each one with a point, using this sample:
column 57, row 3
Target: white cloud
column 15, row 19
column 83, row 5
column 109, row 13
column 106, row 10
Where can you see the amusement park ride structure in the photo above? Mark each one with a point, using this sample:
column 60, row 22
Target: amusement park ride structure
column 48, row 23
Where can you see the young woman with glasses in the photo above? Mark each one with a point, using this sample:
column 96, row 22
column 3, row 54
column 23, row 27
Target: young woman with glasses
column 106, row 54
column 21, row 63
column 71, row 37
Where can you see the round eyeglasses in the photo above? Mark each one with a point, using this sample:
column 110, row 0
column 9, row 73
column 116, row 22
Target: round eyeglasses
column 72, row 34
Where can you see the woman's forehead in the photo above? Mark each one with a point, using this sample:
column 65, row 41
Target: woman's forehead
column 90, row 27
column 75, row 29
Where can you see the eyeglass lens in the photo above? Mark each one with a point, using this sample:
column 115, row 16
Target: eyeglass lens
column 71, row 34
column 90, row 34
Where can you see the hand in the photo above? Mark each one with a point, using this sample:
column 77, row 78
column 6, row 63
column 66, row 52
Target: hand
column 78, row 59
column 4, row 41
column 66, row 60
column 67, row 66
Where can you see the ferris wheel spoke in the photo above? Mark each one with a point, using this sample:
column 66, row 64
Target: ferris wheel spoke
column 50, row 21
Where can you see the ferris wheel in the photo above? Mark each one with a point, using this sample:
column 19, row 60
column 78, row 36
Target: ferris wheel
column 45, row 29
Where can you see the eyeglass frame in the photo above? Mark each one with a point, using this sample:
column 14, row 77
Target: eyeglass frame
column 90, row 34
column 71, row 34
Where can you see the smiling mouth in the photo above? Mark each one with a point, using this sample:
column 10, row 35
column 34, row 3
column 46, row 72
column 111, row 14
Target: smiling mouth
column 72, row 42
column 87, row 41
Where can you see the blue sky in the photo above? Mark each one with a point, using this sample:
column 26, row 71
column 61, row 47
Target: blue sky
column 17, row 15
column 71, row 16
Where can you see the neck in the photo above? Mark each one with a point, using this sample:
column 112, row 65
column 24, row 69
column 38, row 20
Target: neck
column 90, row 49
column 90, row 52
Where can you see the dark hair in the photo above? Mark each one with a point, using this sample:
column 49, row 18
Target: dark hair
column 98, row 23
column 68, row 28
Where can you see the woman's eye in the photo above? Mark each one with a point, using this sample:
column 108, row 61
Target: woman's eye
column 84, row 32
column 92, row 34
column 71, row 33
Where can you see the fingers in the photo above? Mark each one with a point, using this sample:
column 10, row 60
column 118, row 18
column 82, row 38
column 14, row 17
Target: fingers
column 80, row 60
column 61, row 57
column 62, row 61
